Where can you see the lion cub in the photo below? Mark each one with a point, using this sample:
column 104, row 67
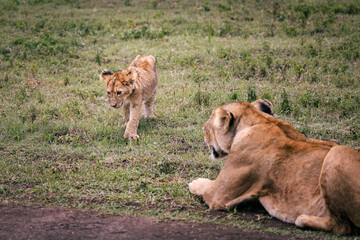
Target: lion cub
column 130, row 89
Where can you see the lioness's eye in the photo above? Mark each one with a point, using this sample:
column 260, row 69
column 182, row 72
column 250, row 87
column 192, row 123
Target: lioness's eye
column 108, row 93
column 128, row 73
column 118, row 93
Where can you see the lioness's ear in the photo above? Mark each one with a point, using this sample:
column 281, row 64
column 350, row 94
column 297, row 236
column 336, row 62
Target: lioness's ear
column 106, row 75
column 263, row 105
column 223, row 119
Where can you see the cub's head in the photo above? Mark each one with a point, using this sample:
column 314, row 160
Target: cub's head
column 119, row 85
column 219, row 132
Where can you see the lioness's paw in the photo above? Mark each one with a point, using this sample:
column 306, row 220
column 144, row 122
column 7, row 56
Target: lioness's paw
column 199, row 186
column 301, row 220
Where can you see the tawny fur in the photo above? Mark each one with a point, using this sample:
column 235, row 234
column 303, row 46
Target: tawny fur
column 311, row 183
column 130, row 89
column 286, row 127
column 263, row 105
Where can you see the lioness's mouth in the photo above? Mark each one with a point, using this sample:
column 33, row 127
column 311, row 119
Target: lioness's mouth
column 214, row 152
column 217, row 154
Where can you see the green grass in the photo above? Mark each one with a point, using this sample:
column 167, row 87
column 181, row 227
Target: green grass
column 61, row 144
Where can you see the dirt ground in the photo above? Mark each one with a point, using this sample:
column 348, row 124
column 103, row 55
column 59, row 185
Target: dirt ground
column 37, row 222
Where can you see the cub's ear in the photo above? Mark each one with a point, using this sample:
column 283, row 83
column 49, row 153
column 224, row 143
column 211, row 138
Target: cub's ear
column 131, row 73
column 223, row 119
column 106, row 75
column 131, row 81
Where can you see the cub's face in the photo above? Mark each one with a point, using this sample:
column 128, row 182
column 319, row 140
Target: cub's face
column 119, row 85
column 218, row 133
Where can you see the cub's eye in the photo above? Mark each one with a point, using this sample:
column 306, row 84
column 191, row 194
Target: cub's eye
column 108, row 93
column 128, row 73
column 118, row 93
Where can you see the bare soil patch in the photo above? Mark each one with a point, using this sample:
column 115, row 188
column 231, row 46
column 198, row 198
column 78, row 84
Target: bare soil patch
column 37, row 222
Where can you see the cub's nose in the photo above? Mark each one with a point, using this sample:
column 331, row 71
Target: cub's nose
column 112, row 103
column 106, row 72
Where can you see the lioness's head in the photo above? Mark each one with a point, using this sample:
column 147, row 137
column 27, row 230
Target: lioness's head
column 219, row 132
column 224, row 123
column 119, row 85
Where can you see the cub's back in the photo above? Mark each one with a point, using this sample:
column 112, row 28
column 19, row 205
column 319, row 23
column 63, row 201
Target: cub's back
column 148, row 79
column 145, row 62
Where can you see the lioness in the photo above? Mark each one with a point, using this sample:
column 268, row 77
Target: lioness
column 309, row 183
column 130, row 89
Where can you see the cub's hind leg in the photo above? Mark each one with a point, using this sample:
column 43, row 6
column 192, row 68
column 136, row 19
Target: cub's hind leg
column 149, row 111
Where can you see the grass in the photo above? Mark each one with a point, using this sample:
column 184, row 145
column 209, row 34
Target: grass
column 61, row 144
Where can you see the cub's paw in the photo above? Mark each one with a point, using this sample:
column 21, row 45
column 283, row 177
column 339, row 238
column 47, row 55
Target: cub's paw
column 199, row 186
column 134, row 137
column 131, row 136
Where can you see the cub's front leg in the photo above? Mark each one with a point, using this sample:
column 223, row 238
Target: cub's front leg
column 126, row 111
column 134, row 119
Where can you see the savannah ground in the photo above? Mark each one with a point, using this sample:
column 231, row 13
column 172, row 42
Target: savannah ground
column 61, row 144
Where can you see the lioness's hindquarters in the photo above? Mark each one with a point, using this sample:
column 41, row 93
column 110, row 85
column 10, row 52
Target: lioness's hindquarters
column 340, row 183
